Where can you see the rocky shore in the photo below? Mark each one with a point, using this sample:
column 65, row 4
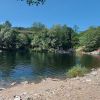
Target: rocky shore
column 96, row 52
column 79, row 88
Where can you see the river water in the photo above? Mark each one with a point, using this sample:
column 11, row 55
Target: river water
column 25, row 66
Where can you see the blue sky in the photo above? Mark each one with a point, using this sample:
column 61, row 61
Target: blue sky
column 83, row 13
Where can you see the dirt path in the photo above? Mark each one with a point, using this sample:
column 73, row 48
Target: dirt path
column 80, row 88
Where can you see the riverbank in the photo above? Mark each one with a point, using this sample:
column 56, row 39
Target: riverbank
column 96, row 52
column 79, row 88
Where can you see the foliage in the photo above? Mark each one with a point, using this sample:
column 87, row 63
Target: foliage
column 56, row 38
column 7, row 38
column 75, row 40
column 36, row 2
column 77, row 70
column 10, row 39
column 7, row 24
column 23, row 41
column 40, row 38
column 90, row 39
column 37, row 27
column 37, row 37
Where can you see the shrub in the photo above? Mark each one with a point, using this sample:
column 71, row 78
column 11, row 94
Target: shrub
column 77, row 70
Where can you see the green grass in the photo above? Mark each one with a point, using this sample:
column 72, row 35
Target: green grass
column 77, row 70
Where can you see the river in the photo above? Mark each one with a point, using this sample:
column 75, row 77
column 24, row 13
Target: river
column 26, row 66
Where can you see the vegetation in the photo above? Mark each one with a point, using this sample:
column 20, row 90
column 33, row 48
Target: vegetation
column 36, row 2
column 77, row 70
column 90, row 39
column 56, row 38
column 38, row 37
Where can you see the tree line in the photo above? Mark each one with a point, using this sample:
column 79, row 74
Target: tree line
column 40, row 38
column 37, row 37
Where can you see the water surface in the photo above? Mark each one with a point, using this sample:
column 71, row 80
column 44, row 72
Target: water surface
column 18, row 67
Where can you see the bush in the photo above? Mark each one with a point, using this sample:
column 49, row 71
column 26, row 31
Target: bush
column 77, row 70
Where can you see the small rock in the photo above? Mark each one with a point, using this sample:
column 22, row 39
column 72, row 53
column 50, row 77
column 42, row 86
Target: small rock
column 93, row 69
column 17, row 98
column 43, row 80
column 88, row 80
column 36, row 94
column 25, row 82
column 62, row 86
column 47, row 90
column 12, row 84
column 94, row 73
column 24, row 93
column 2, row 89
column 77, row 78
column 29, row 98
column 55, row 80
column 52, row 92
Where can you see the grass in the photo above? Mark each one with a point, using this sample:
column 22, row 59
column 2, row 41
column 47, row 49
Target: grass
column 77, row 70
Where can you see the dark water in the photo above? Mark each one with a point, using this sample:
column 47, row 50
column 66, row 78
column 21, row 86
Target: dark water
column 31, row 66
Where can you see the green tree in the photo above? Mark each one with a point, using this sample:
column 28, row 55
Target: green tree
column 56, row 38
column 8, row 38
column 90, row 39
column 37, row 27
column 23, row 41
column 1, row 26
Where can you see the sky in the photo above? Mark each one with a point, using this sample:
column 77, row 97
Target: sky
column 83, row 13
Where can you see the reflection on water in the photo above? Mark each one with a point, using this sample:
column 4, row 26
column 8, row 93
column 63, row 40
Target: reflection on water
column 90, row 61
column 30, row 66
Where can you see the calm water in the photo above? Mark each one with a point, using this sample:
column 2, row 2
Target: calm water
column 31, row 66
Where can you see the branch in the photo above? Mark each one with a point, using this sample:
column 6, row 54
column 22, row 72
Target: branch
column 34, row 2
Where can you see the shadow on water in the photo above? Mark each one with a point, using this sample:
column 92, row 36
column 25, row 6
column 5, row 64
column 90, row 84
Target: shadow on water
column 22, row 66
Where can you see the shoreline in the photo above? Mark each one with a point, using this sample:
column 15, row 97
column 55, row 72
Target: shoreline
column 79, row 88
column 96, row 52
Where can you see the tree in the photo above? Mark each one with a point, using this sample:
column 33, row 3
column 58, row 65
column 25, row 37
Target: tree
column 10, row 39
column 90, row 39
column 1, row 26
column 36, row 2
column 7, row 38
column 7, row 24
column 57, row 38
column 37, row 27
column 23, row 41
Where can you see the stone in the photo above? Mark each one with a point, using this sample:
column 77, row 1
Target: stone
column 24, row 93
column 52, row 92
column 29, row 98
column 36, row 94
column 55, row 80
column 12, row 84
column 25, row 82
column 88, row 80
column 93, row 69
column 47, row 90
column 17, row 98
column 94, row 73
column 2, row 89
column 43, row 80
